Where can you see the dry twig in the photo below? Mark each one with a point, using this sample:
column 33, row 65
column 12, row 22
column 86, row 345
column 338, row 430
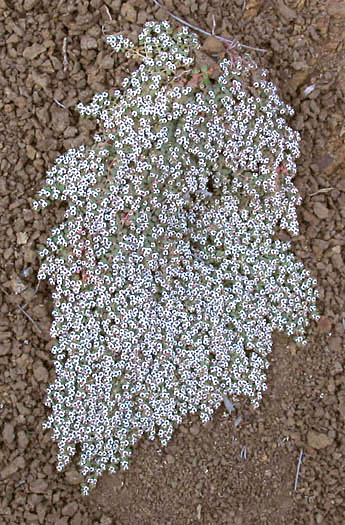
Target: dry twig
column 206, row 32
column 59, row 103
column 24, row 312
column 298, row 469
column 214, row 24
column 64, row 51
column 106, row 8
column 323, row 190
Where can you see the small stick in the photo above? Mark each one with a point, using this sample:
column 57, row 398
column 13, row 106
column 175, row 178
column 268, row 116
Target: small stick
column 206, row 32
column 214, row 24
column 64, row 51
column 323, row 190
column 30, row 318
column 228, row 405
column 35, row 292
column 106, row 8
column 59, row 103
column 180, row 75
column 24, row 312
column 298, row 469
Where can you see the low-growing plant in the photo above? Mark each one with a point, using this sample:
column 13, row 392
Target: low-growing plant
column 168, row 279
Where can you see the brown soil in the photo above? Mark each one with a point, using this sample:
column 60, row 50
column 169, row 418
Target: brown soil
column 240, row 468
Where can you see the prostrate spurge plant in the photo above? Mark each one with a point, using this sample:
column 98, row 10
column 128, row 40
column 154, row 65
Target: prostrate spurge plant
column 168, row 283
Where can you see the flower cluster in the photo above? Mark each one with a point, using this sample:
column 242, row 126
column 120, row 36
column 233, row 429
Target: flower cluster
column 168, row 280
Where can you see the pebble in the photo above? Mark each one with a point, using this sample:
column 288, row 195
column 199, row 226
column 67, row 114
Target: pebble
column 29, row 4
column 285, row 11
column 106, row 520
column 22, row 238
column 335, row 344
column 23, row 440
column 10, row 469
column 129, row 13
column 325, row 325
column 336, row 8
column 70, row 509
column 88, row 42
column 39, row 486
column 41, row 81
column 170, row 459
column 59, row 118
column 213, row 45
column 33, row 51
column 8, row 434
column 73, row 477
column 318, row 440
column 40, row 373
column 195, row 429
column 108, row 62
column 320, row 210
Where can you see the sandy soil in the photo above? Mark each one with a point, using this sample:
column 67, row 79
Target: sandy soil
column 240, row 468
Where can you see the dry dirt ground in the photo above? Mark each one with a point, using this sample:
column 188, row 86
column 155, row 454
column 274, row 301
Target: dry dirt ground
column 239, row 469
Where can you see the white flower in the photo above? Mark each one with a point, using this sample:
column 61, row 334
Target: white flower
column 168, row 285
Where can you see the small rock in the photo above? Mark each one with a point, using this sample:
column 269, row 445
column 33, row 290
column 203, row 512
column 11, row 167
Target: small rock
column 62, row 521
column 336, row 8
column 22, row 238
column 170, row 459
column 40, row 373
column 325, row 162
column 325, row 325
column 70, row 509
column 108, row 62
column 318, row 440
column 213, row 45
column 160, row 14
column 142, row 18
column 106, row 520
column 335, row 344
column 341, row 408
column 42, row 81
column 60, row 119
column 78, row 519
column 129, row 13
column 29, row 4
column 299, row 65
column 17, row 285
column 252, row 8
column 320, row 210
column 285, row 11
column 88, row 42
column 293, row 349
column 41, row 511
column 23, row 440
column 39, row 486
column 195, row 429
column 8, row 433
column 31, row 152
column 69, row 132
column 73, row 477
column 319, row 247
column 33, row 51
column 5, row 348
column 337, row 261
column 9, row 470
column 7, row 254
